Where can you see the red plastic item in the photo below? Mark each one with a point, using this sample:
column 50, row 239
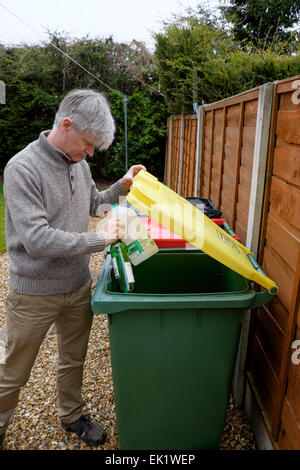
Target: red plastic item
column 164, row 238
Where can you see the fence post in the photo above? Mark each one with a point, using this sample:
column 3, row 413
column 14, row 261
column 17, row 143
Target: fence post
column 2, row 92
column 199, row 146
column 166, row 153
column 168, row 165
column 260, row 155
column 180, row 156
column 263, row 123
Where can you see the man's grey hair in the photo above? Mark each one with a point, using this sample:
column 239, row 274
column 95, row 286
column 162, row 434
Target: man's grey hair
column 90, row 113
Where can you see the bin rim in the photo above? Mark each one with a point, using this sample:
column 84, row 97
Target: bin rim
column 109, row 302
column 155, row 199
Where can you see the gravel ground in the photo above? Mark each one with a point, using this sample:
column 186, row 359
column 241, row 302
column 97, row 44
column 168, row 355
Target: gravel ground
column 36, row 425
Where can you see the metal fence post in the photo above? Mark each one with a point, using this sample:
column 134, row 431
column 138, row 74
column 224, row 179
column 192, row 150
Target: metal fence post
column 2, row 92
column 125, row 101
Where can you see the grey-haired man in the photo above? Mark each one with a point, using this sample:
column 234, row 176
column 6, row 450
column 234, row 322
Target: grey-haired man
column 50, row 194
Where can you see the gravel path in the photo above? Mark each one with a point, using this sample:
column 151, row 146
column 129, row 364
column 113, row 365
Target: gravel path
column 36, row 425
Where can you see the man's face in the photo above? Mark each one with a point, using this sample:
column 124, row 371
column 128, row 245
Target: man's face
column 78, row 145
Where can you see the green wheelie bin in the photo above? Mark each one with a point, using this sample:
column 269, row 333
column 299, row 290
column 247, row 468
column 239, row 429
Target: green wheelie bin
column 173, row 347
column 174, row 339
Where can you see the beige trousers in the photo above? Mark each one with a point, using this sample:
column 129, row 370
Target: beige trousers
column 28, row 319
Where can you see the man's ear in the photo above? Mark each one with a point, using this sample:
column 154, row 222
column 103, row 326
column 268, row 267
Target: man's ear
column 66, row 124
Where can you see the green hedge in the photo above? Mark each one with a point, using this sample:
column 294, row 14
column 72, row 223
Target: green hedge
column 195, row 60
column 198, row 60
column 37, row 78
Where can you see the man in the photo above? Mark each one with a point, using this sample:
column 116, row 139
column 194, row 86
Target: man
column 49, row 196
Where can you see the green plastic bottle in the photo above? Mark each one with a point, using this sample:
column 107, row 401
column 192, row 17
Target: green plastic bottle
column 122, row 266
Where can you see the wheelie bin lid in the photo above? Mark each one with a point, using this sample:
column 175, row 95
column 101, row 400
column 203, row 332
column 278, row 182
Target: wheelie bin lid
column 178, row 215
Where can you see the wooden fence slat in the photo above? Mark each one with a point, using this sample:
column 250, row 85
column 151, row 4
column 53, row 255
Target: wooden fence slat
column 283, row 241
column 238, row 164
column 292, row 431
column 285, row 200
column 210, row 154
column 288, row 126
column 287, row 163
column 241, row 97
column 199, row 150
column 222, row 156
column 178, row 186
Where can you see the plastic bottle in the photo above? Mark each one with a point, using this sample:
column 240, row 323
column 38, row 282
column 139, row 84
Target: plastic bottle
column 139, row 244
column 122, row 267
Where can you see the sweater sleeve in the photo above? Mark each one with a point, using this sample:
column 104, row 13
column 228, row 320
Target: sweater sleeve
column 27, row 214
column 101, row 201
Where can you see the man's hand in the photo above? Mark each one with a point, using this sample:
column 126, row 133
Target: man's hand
column 113, row 230
column 126, row 181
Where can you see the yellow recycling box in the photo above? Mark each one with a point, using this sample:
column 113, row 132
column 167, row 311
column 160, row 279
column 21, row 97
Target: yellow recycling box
column 179, row 216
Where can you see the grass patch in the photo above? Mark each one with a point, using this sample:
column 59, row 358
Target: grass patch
column 2, row 221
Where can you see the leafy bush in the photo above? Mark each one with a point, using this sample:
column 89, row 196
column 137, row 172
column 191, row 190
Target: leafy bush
column 264, row 24
column 198, row 60
column 37, row 78
column 146, row 133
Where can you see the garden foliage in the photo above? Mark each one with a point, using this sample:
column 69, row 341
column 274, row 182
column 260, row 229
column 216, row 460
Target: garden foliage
column 37, row 78
column 199, row 57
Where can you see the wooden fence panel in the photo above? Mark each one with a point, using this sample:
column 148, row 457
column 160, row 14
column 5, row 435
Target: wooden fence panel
column 245, row 168
column 228, row 144
column 273, row 326
column 189, row 156
column 208, row 136
column 231, row 166
column 180, row 166
column 228, row 137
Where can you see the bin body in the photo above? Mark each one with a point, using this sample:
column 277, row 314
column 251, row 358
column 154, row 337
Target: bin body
column 173, row 347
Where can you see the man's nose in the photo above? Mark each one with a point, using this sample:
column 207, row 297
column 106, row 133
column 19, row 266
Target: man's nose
column 90, row 150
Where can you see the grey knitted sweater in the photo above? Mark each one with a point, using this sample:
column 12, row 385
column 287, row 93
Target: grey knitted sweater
column 48, row 203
